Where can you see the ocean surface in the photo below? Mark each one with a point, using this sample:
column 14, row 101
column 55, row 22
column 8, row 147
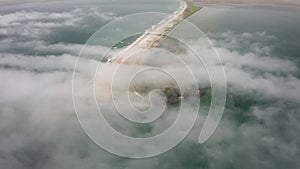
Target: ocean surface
column 281, row 22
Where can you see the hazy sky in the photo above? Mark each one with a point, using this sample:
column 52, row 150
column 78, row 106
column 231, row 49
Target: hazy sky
column 214, row 1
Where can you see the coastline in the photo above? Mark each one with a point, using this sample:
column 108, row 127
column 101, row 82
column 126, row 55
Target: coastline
column 152, row 38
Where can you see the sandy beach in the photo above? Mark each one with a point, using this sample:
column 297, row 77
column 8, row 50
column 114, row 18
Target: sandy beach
column 152, row 38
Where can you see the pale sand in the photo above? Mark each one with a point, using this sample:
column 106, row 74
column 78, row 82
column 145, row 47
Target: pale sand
column 152, row 38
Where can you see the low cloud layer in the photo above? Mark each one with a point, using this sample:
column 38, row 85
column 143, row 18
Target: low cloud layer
column 39, row 128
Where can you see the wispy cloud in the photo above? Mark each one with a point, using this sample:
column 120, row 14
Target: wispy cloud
column 39, row 129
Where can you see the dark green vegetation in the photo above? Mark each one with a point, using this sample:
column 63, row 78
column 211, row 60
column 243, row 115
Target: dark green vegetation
column 173, row 95
column 192, row 8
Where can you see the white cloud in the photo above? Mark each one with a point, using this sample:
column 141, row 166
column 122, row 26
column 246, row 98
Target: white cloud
column 37, row 25
column 39, row 129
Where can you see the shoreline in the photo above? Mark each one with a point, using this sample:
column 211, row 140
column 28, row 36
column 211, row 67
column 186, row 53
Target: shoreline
column 152, row 38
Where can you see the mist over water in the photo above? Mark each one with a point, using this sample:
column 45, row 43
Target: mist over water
column 39, row 44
